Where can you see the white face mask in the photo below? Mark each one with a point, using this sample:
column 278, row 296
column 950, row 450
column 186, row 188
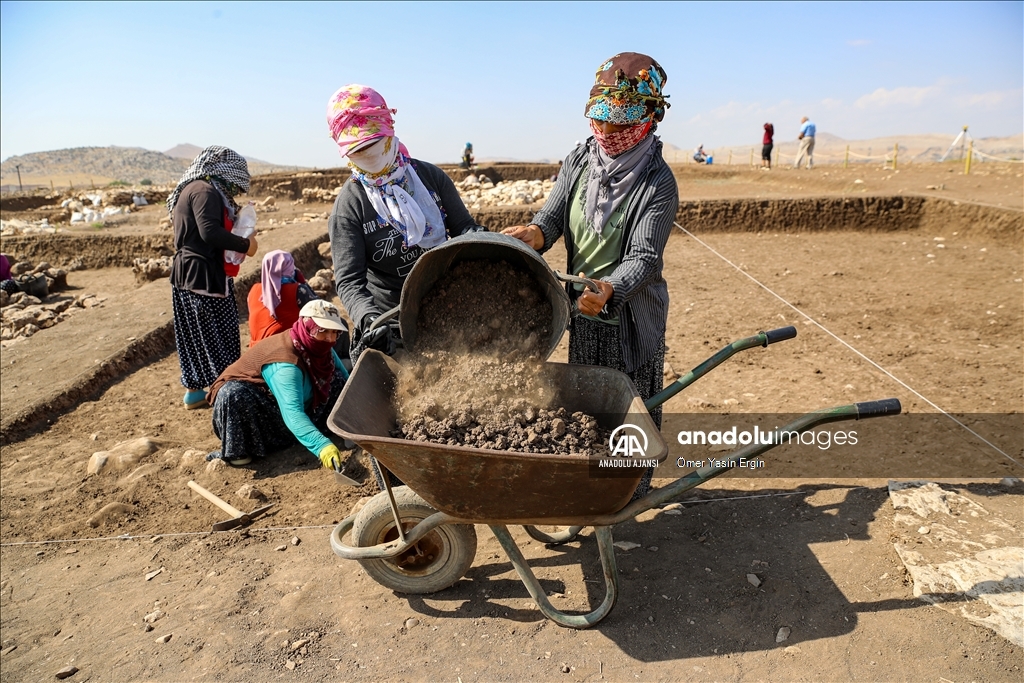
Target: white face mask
column 376, row 157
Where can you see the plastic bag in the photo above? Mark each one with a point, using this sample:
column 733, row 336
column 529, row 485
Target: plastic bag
column 244, row 226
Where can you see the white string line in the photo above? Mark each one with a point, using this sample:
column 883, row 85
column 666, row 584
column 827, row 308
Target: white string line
column 1010, row 161
column 127, row 537
column 847, row 345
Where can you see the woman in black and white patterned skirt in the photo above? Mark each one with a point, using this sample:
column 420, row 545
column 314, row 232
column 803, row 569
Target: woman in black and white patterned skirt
column 613, row 204
column 203, row 210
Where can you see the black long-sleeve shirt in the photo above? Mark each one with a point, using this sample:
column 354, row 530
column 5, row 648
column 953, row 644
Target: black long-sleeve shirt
column 200, row 240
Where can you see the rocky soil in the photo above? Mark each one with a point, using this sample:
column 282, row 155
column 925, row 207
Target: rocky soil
column 833, row 603
column 477, row 377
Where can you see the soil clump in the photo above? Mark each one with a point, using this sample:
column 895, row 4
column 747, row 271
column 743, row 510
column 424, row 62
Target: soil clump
column 479, row 378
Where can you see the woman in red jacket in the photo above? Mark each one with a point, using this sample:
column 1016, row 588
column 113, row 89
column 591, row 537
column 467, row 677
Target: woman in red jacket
column 274, row 300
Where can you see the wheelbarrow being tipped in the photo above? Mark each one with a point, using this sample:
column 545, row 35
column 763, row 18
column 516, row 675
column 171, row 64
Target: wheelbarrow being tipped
column 420, row 538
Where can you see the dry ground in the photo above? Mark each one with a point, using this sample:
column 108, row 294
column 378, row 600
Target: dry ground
column 949, row 326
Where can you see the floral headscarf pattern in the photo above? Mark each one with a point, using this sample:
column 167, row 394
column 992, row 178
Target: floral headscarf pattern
column 357, row 114
column 628, row 90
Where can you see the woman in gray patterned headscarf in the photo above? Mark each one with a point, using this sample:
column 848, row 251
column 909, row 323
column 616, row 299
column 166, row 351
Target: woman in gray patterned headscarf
column 613, row 206
column 203, row 211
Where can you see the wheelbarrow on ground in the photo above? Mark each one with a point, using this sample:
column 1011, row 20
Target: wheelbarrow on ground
column 420, row 538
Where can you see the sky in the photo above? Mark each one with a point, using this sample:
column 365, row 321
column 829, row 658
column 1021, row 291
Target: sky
column 512, row 78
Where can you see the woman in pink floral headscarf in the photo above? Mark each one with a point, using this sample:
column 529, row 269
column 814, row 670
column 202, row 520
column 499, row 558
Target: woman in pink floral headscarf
column 392, row 210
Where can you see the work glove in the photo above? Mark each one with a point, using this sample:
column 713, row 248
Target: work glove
column 379, row 338
column 330, row 457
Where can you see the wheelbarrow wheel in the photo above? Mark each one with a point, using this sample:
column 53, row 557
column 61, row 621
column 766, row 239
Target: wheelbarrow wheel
column 434, row 563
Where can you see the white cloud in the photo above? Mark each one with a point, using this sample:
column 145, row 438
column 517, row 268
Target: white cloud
column 990, row 99
column 901, row 96
column 829, row 103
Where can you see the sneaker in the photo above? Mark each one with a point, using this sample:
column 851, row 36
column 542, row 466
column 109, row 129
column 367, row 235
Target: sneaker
column 238, row 462
column 195, row 399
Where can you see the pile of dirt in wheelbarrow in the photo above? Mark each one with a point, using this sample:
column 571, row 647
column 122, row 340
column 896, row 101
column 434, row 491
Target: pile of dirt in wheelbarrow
column 478, row 378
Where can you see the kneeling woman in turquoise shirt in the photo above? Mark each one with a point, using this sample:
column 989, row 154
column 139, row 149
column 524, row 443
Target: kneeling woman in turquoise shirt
column 280, row 390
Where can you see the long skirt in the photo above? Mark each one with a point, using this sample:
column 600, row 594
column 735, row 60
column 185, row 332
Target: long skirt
column 205, row 335
column 596, row 343
column 248, row 421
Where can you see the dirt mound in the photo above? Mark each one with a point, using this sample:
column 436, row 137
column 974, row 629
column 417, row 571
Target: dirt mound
column 479, row 378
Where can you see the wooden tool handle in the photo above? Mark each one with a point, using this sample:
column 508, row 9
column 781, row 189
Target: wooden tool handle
column 234, row 512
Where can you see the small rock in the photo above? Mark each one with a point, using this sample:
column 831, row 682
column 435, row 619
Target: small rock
column 249, row 492
column 566, row 669
column 858, row 181
column 216, row 465
column 164, row 638
column 884, row 576
column 290, row 665
column 1009, row 481
column 783, row 634
column 299, row 643
column 153, row 574
column 281, row 548
column 923, row 530
column 412, row 622
column 626, row 545
column 97, row 462
column 673, row 506
column 148, row 628
column 40, row 553
column 71, row 551
column 8, row 650
column 792, row 649
column 653, row 548
column 66, row 672
column 296, row 540
column 672, row 512
column 153, row 616
column 753, row 580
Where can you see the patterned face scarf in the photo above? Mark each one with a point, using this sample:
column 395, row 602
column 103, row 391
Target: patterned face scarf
column 224, row 168
column 316, row 355
column 399, row 196
column 618, row 142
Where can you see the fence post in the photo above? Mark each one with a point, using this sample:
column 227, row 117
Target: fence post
column 970, row 152
column 751, row 156
column 730, row 157
column 895, row 153
column 778, row 157
column 846, row 159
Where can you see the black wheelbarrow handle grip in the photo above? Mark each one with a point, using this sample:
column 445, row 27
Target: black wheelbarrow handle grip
column 886, row 406
column 781, row 334
column 385, row 317
column 576, row 280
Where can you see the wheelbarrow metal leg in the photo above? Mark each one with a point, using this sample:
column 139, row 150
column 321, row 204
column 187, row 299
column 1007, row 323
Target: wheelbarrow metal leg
column 607, row 550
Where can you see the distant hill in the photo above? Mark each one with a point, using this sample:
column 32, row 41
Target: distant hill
column 103, row 165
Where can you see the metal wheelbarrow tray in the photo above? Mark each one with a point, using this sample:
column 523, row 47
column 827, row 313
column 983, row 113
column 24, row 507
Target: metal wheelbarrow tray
column 430, row 543
column 486, row 486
